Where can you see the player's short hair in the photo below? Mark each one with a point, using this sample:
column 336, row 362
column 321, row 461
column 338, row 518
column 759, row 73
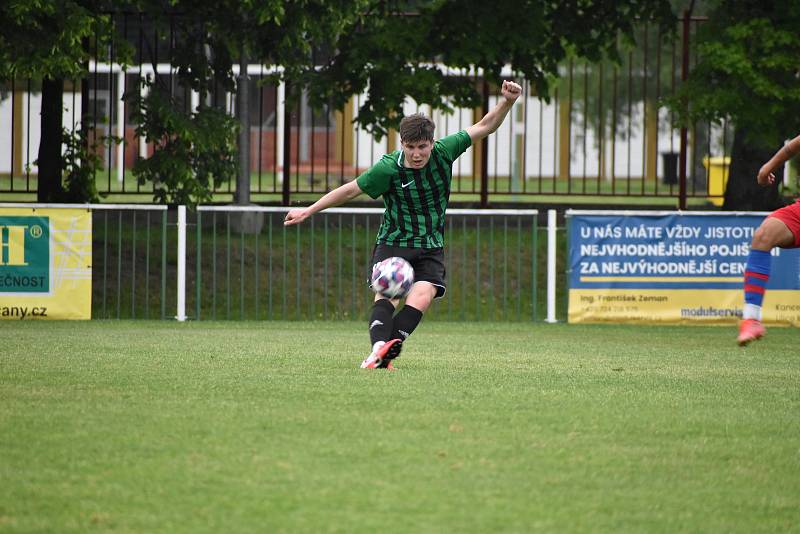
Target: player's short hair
column 415, row 128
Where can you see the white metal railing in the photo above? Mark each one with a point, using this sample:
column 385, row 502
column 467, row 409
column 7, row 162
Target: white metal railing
column 182, row 226
column 552, row 237
column 116, row 207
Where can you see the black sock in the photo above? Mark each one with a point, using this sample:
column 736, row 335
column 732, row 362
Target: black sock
column 405, row 322
column 380, row 321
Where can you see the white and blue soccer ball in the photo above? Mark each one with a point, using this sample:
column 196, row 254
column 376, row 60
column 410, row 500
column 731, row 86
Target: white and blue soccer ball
column 392, row 278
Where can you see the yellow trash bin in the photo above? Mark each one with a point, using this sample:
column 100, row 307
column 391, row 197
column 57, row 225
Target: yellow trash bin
column 717, row 173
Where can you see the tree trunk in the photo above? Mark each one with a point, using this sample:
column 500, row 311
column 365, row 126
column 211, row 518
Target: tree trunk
column 743, row 192
column 50, row 164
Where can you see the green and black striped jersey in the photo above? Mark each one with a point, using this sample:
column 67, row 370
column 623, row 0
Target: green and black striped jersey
column 415, row 199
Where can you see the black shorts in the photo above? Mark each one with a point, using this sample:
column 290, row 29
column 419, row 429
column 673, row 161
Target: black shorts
column 428, row 264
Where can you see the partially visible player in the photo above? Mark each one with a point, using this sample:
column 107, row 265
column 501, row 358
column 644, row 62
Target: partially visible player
column 415, row 184
column 780, row 229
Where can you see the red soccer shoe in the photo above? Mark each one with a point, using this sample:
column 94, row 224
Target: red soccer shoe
column 750, row 330
column 382, row 358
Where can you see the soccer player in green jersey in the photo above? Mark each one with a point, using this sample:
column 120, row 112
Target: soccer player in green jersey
column 415, row 185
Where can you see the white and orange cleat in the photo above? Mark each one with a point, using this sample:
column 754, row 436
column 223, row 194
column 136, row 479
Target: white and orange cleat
column 750, row 330
column 382, row 355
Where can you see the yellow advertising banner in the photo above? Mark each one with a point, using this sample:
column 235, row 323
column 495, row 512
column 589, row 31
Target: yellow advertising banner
column 711, row 306
column 45, row 263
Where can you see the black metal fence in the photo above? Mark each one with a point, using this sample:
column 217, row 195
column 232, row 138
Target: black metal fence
column 602, row 132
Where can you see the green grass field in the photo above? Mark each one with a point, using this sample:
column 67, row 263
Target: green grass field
column 271, row 427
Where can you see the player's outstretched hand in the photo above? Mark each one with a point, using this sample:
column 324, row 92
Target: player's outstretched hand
column 511, row 90
column 765, row 178
column 295, row 216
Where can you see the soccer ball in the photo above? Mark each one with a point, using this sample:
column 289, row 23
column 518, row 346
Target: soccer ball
column 392, row 278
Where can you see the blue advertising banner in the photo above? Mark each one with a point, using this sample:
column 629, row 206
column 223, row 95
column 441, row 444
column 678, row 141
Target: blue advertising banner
column 671, row 267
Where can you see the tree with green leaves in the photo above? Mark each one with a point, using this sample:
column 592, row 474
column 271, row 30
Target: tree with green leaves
column 392, row 54
column 48, row 40
column 45, row 40
column 747, row 72
column 196, row 149
column 389, row 50
column 333, row 49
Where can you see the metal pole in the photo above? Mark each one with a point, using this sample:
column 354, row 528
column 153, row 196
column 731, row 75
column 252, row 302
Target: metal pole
column 243, row 111
column 684, row 131
column 120, row 126
column 85, row 103
column 287, row 146
column 551, row 266
column 485, row 152
column 181, row 264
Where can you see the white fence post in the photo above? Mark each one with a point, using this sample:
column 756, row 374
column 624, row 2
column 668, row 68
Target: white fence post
column 551, row 266
column 181, row 263
column 143, row 140
column 120, row 111
column 279, row 113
